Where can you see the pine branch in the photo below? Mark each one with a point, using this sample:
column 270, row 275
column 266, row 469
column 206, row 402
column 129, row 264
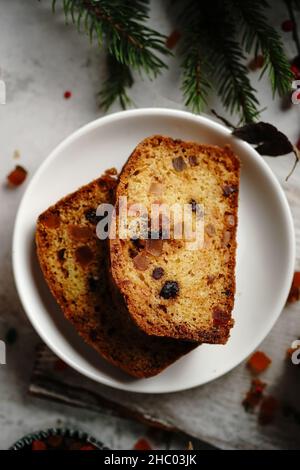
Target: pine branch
column 121, row 24
column 210, row 31
column 115, row 87
column 195, row 80
column 259, row 36
column 212, row 53
column 234, row 86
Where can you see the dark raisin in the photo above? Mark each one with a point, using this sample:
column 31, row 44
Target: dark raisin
column 229, row 189
column 227, row 292
column 157, row 273
column 61, row 254
column 169, row 290
column 193, row 160
column 93, row 283
column 111, row 331
column 178, row 164
column 90, row 215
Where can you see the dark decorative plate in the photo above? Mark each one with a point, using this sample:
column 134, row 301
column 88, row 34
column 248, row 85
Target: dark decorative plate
column 58, row 439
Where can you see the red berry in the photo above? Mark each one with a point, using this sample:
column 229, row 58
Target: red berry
column 67, row 95
column 288, row 26
column 295, row 70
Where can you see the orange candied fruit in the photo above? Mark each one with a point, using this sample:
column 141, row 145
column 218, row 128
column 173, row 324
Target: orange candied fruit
column 87, row 447
column 254, row 395
column 294, row 294
column 142, row 444
column 268, row 410
column 38, row 445
column 17, row 176
column 258, row 362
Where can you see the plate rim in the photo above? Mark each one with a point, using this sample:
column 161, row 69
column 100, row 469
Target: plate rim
column 168, row 112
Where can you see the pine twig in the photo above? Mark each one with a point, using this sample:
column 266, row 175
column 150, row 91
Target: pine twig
column 121, row 24
column 230, row 73
column 115, row 87
column 195, row 82
column 211, row 36
column 260, row 36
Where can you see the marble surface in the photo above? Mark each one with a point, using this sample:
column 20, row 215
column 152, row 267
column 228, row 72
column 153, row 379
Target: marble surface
column 40, row 58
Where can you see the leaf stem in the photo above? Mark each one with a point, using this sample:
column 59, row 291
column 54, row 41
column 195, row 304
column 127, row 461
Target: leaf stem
column 224, row 120
column 294, row 166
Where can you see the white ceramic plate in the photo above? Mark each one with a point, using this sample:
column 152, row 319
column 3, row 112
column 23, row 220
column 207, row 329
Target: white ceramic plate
column 265, row 259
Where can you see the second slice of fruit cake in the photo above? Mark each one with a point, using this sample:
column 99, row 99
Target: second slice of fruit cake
column 73, row 261
column 169, row 289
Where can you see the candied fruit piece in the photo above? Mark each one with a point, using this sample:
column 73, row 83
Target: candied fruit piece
column 17, row 176
column 142, row 444
column 258, row 362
